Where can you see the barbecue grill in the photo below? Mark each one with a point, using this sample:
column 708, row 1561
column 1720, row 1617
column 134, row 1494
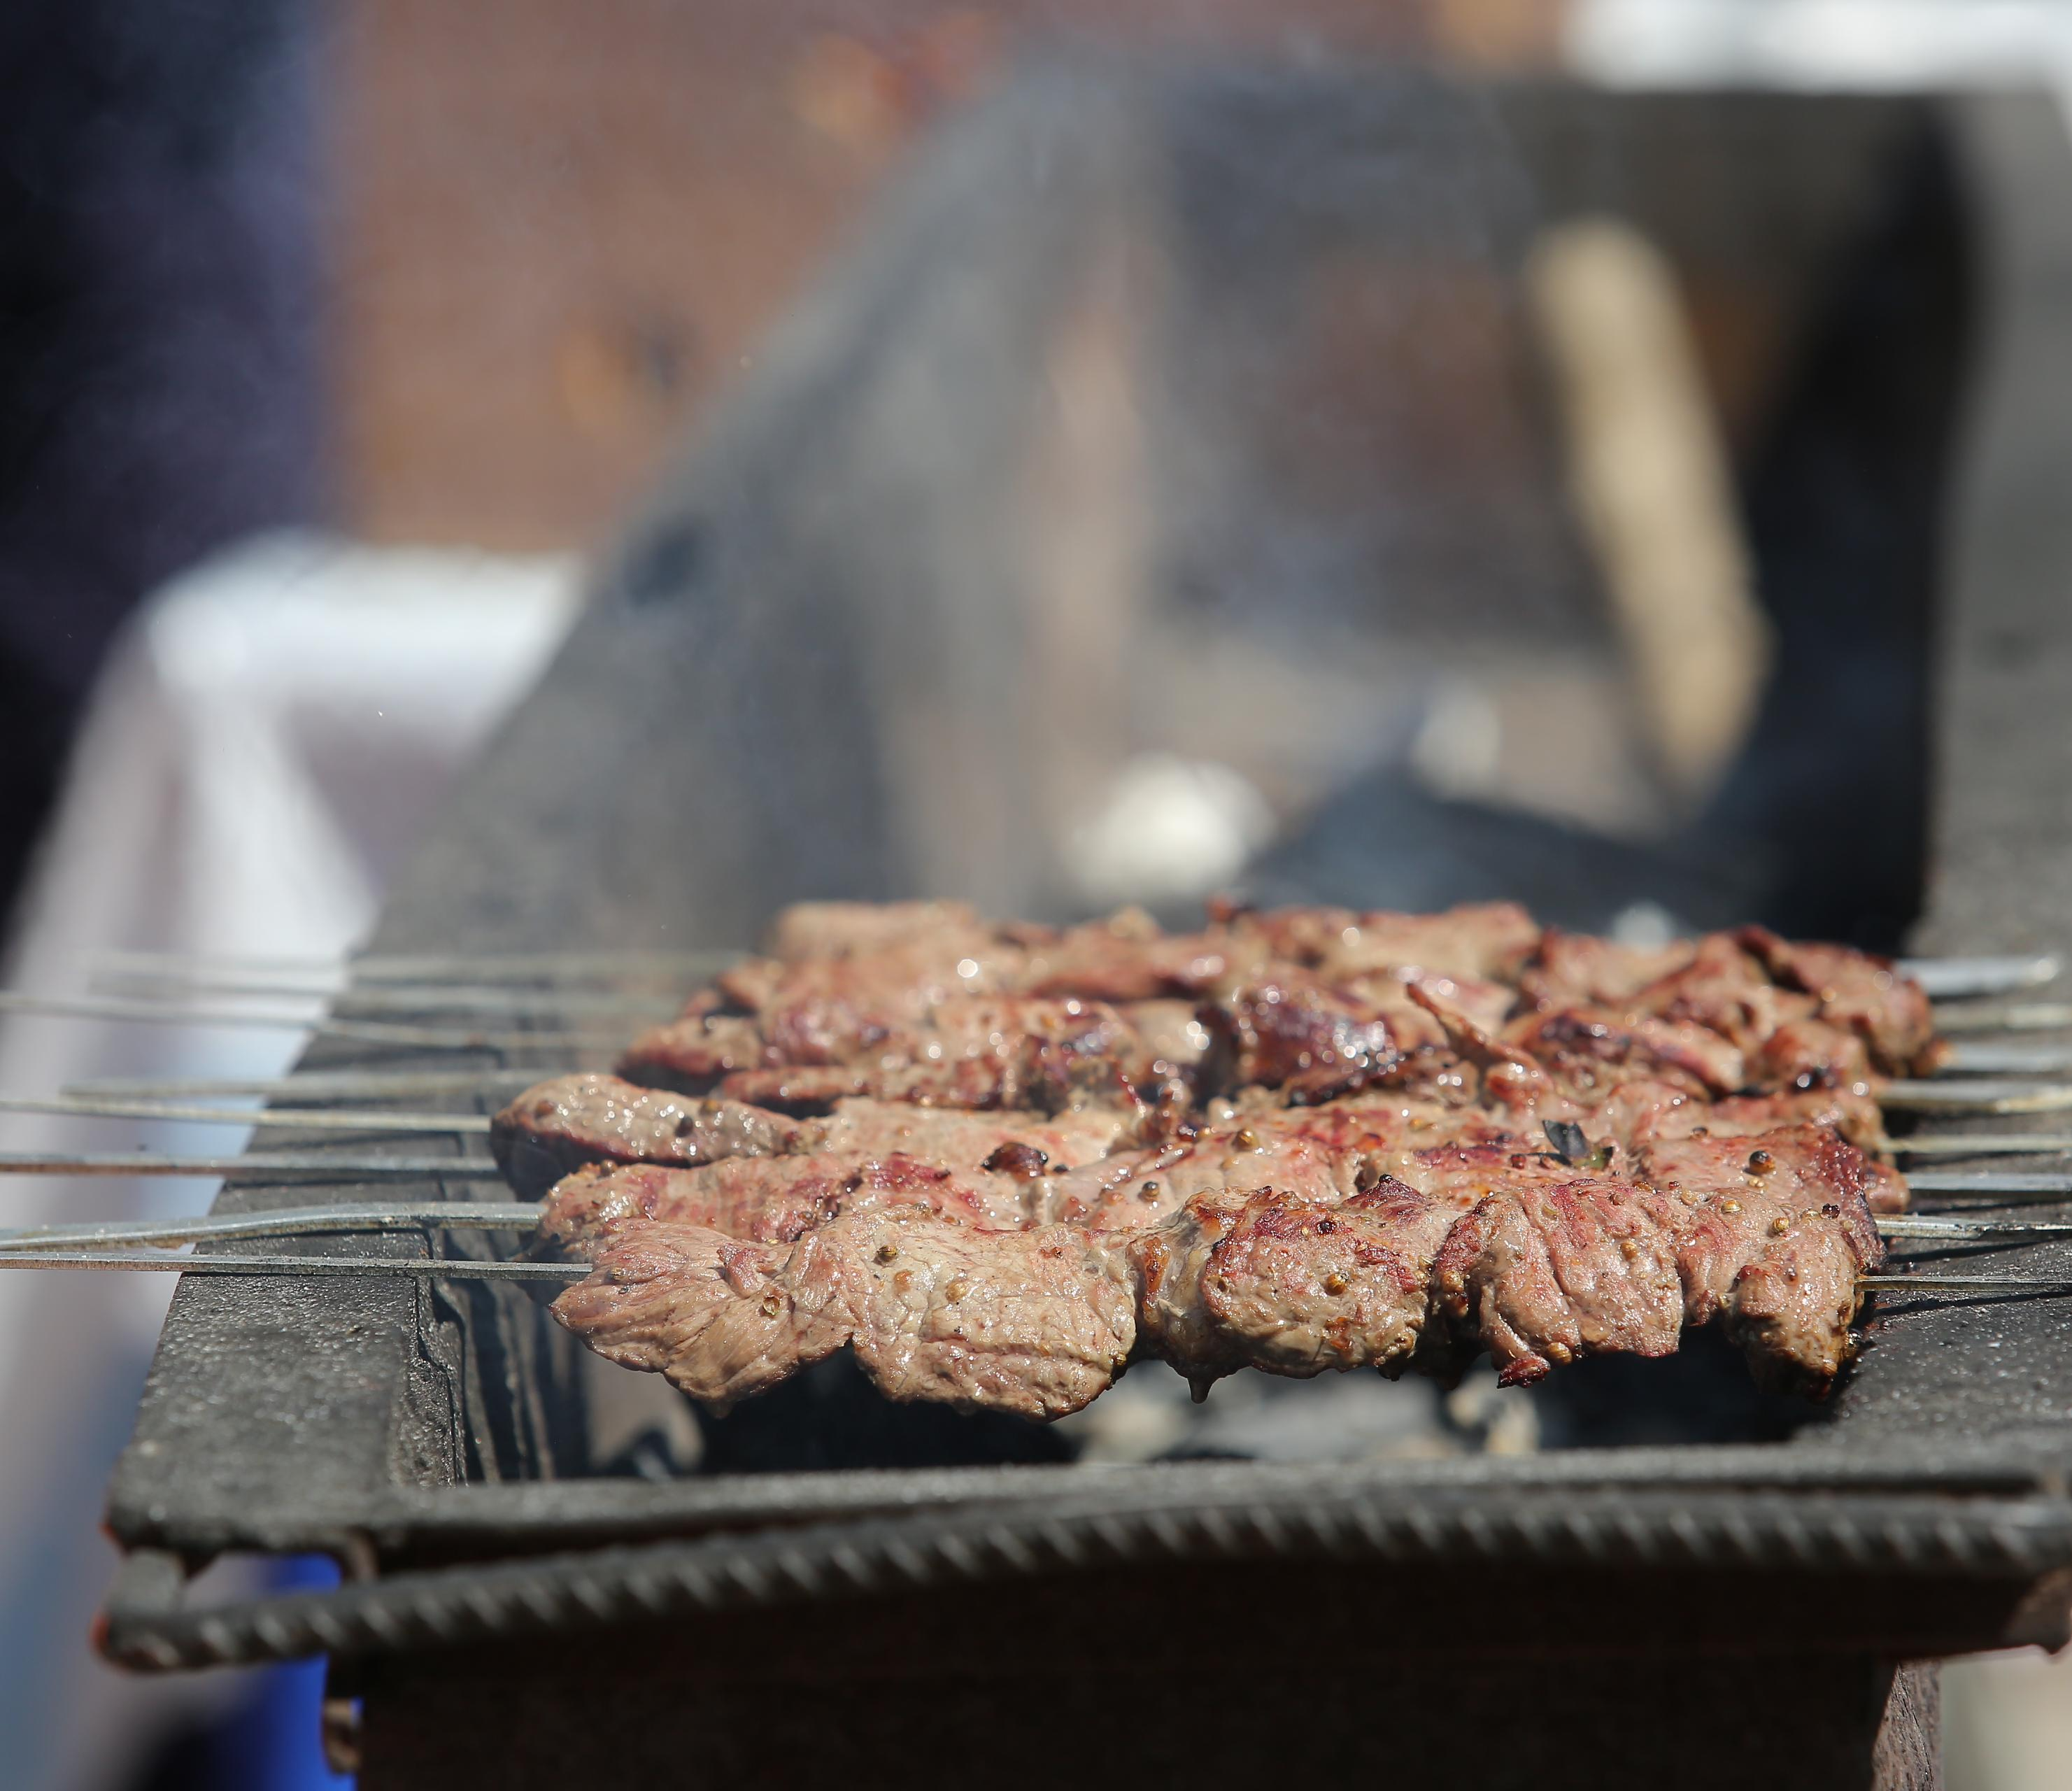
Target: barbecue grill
column 1709, row 1613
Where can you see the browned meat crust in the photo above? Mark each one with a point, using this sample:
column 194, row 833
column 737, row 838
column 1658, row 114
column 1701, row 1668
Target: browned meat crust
column 1035, row 1323
column 776, row 1200
column 1549, row 1267
column 1295, row 1140
column 1771, row 1245
column 1848, row 1016
column 1292, row 1033
column 561, row 1124
column 1741, row 984
column 927, row 1004
column 970, row 1052
column 1291, row 1283
column 1477, row 942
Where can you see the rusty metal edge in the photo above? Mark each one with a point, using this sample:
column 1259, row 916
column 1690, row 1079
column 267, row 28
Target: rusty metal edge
column 537, row 1515
column 2018, row 1542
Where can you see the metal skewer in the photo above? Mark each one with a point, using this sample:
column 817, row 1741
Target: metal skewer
column 469, row 1269
column 1956, row 978
column 1983, row 1144
column 404, row 998
column 266, row 1166
column 281, row 1222
column 424, row 1038
column 437, row 1268
column 437, row 966
column 349, row 1168
column 1940, row 978
column 1929, row 1226
column 524, row 1216
column 2006, row 1060
column 475, row 1269
column 1975, row 1098
column 144, row 1106
column 2022, row 1016
column 161, row 1100
column 2043, row 1184
column 307, row 1119
column 308, row 1085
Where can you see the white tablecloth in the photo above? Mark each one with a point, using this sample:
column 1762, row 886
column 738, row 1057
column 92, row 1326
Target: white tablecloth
column 275, row 731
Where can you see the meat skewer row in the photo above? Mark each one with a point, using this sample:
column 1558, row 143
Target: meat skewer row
column 576, row 1121
column 560, row 1125
column 1277, row 1265
column 1307, row 1045
column 920, row 952
column 1944, row 978
column 365, row 1216
column 1311, row 1043
column 86, row 1247
column 1349, row 1145
column 844, row 974
column 1741, row 1010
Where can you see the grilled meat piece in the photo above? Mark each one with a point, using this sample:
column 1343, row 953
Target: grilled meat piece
column 560, row 1125
column 862, row 979
column 1802, row 1166
column 1479, row 940
column 563, row 1124
column 775, row 1200
column 1889, row 1012
column 1292, row 1282
column 926, row 1003
column 809, row 930
column 1747, row 985
column 1035, row 1322
column 1292, row 1033
column 1571, row 1055
column 1546, row 1267
column 1855, row 1116
column 1585, row 1048
column 1326, row 1152
column 1086, row 1168
column 1541, row 1277
column 865, row 965
column 970, row 1052
column 1320, row 1150
column 1580, row 1053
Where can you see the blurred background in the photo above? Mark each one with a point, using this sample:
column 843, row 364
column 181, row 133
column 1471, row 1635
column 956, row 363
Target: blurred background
column 1394, row 453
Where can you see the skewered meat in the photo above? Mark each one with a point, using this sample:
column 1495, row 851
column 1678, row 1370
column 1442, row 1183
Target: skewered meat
column 777, row 1200
column 926, row 1003
column 900, row 966
column 1553, row 1266
column 968, row 1052
column 1477, row 942
column 1323, row 1150
column 1294, row 1283
column 1296, row 1140
column 574, row 1120
column 1292, row 1033
column 1847, row 1015
column 1742, row 984
column 1332, row 1151
column 810, row 930
column 561, row 1124
column 1032, row 1322
column 1541, row 1278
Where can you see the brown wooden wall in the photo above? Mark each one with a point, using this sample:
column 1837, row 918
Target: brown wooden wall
column 560, row 225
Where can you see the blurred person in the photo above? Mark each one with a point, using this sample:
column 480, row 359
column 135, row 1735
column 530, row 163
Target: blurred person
column 158, row 397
